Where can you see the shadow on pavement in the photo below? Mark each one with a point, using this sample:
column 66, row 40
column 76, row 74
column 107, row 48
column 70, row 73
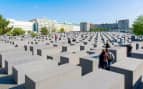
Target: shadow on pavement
column 18, row 87
column 7, row 79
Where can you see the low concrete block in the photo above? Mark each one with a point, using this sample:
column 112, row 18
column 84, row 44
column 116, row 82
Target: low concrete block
column 19, row 71
column 96, row 80
column 52, row 79
column 131, row 69
column 89, row 64
column 72, row 58
column 118, row 51
column 9, row 63
column 9, row 54
column 50, row 50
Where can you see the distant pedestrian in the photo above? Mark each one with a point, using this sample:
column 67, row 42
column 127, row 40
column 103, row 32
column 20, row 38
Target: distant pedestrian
column 107, row 45
column 69, row 41
column 56, row 37
column 129, row 50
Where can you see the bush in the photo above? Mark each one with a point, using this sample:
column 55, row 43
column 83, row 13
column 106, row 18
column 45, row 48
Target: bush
column 29, row 32
column 98, row 29
column 9, row 33
column 44, row 31
column 62, row 30
column 18, row 31
column 33, row 34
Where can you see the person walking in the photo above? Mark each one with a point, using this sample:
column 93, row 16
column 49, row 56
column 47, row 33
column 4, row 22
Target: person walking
column 56, row 38
column 69, row 41
column 103, row 60
column 110, row 57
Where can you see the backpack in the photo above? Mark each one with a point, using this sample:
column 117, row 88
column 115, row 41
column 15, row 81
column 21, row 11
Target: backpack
column 110, row 56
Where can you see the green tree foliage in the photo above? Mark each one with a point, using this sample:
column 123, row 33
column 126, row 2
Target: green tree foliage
column 33, row 34
column 1, row 31
column 4, row 26
column 29, row 32
column 98, row 29
column 18, row 31
column 62, row 30
column 138, row 26
column 10, row 33
column 44, row 31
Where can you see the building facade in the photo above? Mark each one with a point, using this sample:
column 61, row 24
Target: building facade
column 54, row 26
column 39, row 23
column 25, row 25
column 121, row 25
column 84, row 26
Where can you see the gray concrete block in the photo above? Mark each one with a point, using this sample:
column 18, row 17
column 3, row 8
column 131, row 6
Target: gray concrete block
column 12, row 61
column 52, row 79
column 131, row 69
column 73, row 57
column 8, row 54
column 89, row 64
column 47, row 51
column 118, row 51
column 73, row 48
column 96, row 80
column 19, row 71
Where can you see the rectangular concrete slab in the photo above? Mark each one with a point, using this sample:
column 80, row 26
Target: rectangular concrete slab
column 19, row 71
column 131, row 69
column 73, row 57
column 48, row 50
column 52, row 79
column 89, row 64
column 12, row 61
column 8, row 54
column 97, row 80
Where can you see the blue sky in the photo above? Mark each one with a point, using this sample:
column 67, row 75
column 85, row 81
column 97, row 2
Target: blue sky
column 96, row 11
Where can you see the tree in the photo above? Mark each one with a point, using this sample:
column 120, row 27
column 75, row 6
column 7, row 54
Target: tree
column 98, row 29
column 18, row 31
column 44, row 31
column 29, row 32
column 62, row 30
column 92, row 30
column 1, row 31
column 33, row 34
column 10, row 33
column 138, row 26
column 4, row 26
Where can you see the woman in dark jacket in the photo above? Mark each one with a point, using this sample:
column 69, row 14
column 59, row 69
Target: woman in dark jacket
column 101, row 59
